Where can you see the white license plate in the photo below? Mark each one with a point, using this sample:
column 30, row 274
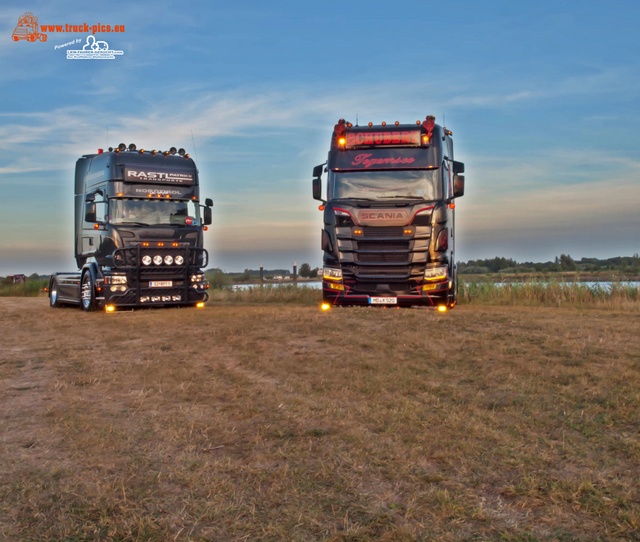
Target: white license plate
column 383, row 300
column 160, row 284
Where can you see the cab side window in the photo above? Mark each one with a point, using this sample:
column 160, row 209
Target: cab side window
column 101, row 207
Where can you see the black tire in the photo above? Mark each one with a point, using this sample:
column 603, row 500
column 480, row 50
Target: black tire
column 88, row 293
column 54, row 302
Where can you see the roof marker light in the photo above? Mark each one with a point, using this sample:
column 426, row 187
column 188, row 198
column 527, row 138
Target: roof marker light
column 141, row 151
column 100, row 151
column 370, row 124
column 397, row 123
column 384, row 123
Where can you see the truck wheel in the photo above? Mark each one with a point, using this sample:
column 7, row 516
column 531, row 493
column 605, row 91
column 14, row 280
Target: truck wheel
column 88, row 293
column 53, row 295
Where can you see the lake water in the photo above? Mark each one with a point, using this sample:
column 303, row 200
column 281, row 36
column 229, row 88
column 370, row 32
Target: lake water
column 591, row 285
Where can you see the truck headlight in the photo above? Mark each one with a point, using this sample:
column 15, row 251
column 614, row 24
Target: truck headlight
column 179, row 260
column 157, row 259
column 146, row 259
column 168, row 259
column 331, row 273
column 436, row 273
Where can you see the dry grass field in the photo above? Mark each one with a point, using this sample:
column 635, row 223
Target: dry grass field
column 278, row 422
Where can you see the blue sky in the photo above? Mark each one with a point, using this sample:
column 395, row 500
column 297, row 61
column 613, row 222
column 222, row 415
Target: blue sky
column 543, row 99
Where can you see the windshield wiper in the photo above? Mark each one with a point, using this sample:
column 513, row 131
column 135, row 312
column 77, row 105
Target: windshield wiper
column 130, row 223
column 359, row 199
column 402, row 197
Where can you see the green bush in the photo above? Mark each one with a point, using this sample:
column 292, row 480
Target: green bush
column 30, row 288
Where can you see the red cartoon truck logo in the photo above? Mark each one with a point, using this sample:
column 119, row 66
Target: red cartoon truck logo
column 27, row 29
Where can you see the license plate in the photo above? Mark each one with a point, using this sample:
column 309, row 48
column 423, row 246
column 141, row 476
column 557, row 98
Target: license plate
column 383, row 300
column 160, row 284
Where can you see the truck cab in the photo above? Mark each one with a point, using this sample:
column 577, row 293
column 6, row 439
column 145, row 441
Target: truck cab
column 139, row 232
column 388, row 236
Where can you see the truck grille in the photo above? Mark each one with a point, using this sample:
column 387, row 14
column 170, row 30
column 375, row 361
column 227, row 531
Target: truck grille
column 149, row 269
column 384, row 259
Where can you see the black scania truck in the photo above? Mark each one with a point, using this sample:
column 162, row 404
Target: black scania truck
column 138, row 232
column 389, row 219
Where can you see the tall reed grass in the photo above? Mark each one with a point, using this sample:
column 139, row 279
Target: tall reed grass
column 30, row 288
column 551, row 293
column 268, row 294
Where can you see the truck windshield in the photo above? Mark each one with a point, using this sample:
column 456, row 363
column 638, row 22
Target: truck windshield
column 154, row 212
column 383, row 185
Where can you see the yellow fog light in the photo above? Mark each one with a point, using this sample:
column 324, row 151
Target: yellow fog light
column 333, row 286
column 110, row 308
column 442, row 308
column 200, row 305
column 427, row 287
column 325, row 307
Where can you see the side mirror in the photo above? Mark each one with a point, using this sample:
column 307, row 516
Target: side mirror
column 458, row 167
column 317, row 188
column 208, row 202
column 207, row 218
column 458, row 186
column 317, row 171
column 90, row 211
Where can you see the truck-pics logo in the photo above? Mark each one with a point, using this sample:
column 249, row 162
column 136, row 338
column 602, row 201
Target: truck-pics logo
column 27, row 29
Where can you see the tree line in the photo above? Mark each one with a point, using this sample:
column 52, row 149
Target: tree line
column 564, row 262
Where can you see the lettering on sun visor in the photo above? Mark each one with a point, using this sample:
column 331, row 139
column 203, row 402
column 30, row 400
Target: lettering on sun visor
column 156, row 176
